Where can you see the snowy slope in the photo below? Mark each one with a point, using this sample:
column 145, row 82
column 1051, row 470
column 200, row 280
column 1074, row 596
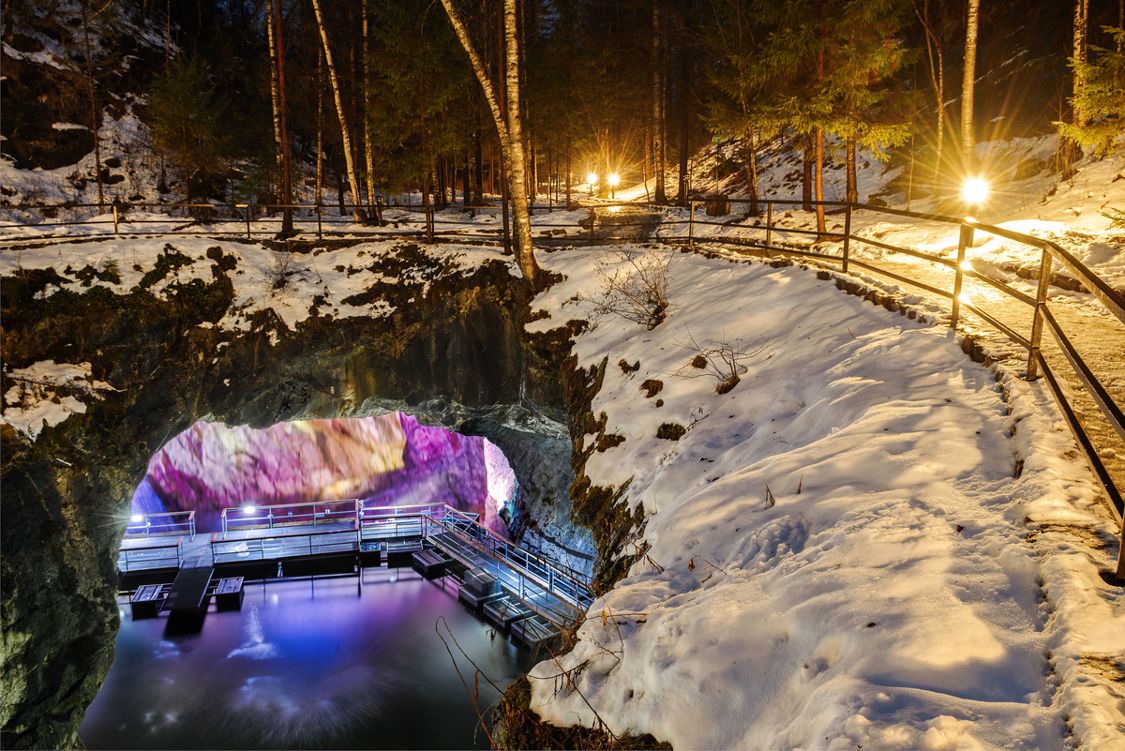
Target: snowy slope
column 887, row 596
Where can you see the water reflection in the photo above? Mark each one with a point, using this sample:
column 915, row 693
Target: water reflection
column 323, row 664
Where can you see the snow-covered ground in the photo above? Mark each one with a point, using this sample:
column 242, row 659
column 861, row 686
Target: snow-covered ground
column 839, row 553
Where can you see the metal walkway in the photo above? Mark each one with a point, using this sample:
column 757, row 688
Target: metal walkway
column 342, row 537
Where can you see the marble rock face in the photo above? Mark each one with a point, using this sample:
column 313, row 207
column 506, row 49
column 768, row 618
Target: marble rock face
column 390, row 459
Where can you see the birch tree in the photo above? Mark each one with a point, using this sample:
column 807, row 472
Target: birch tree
column 968, row 144
column 658, row 102
column 368, row 144
column 345, row 135
column 508, row 127
column 281, row 128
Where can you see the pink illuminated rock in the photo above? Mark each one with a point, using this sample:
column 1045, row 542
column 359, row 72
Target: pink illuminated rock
column 390, row 459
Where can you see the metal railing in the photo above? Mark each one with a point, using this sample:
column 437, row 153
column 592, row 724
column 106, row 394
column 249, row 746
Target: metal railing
column 282, row 545
column 564, row 583
column 1041, row 315
column 602, row 226
column 139, row 554
column 162, row 523
column 411, row 520
column 255, row 517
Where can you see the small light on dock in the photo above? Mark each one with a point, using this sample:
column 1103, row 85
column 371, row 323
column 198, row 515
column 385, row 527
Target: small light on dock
column 137, row 518
column 247, row 510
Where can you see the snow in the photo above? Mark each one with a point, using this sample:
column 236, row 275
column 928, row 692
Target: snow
column 263, row 279
column 46, row 394
column 888, row 596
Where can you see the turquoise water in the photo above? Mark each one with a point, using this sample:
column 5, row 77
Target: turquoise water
column 307, row 664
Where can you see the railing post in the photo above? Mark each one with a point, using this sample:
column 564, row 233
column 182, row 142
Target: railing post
column 691, row 224
column 963, row 242
column 847, row 234
column 1041, row 292
column 769, row 223
column 116, row 220
column 247, row 221
column 319, row 228
column 429, row 224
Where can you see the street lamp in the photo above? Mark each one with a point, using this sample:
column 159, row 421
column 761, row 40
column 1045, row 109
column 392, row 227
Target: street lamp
column 592, row 181
column 974, row 190
column 613, row 179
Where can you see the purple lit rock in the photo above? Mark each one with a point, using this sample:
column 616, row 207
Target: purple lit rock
column 390, row 459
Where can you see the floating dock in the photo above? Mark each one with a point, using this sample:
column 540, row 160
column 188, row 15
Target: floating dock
column 166, row 566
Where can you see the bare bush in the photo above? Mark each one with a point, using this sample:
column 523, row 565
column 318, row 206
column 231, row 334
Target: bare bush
column 279, row 273
column 722, row 360
column 636, row 288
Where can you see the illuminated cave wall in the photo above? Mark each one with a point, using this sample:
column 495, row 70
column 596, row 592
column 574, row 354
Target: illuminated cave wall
column 390, row 459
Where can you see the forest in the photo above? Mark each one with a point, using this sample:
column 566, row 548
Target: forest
column 279, row 101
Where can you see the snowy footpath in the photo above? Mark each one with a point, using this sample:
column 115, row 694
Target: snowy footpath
column 870, row 541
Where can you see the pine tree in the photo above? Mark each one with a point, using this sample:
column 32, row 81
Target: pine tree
column 1101, row 98
column 188, row 121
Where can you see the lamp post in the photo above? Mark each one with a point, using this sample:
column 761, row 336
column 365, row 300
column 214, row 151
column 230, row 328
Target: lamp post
column 592, row 181
column 613, row 179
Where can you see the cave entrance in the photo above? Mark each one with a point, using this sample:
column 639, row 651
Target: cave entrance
column 331, row 662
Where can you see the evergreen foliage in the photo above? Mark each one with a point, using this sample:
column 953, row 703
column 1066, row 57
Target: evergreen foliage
column 1101, row 98
column 188, row 121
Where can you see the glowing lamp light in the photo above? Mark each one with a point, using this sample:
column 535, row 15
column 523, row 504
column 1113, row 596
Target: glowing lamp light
column 137, row 518
column 974, row 190
column 247, row 510
column 613, row 179
column 592, row 178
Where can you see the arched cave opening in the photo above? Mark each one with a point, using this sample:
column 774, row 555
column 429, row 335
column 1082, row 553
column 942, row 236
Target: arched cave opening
column 328, row 659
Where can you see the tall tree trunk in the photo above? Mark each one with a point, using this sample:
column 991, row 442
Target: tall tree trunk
column 275, row 101
column 283, row 145
column 319, row 128
column 968, row 143
column 345, row 136
column 88, row 52
column 525, row 256
column 1081, row 22
column 849, row 157
column 935, row 55
column 478, row 166
column 818, row 184
column 568, row 170
column 368, row 144
column 658, row 102
column 807, row 174
column 685, row 99
column 752, row 172
column 509, row 131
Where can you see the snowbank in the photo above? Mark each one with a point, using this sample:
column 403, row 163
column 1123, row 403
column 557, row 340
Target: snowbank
column 838, row 548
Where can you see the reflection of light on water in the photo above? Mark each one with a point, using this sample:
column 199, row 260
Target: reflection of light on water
column 255, row 646
column 166, row 649
column 284, row 713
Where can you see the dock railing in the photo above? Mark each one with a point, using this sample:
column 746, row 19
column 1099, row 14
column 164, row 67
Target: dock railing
column 161, row 523
column 158, row 552
column 564, row 583
column 252, row 516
